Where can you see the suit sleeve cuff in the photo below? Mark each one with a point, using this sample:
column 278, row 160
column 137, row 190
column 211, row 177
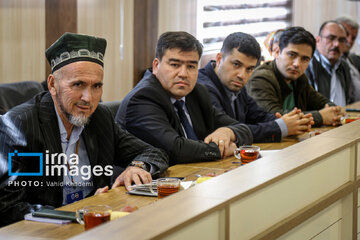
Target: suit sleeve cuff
column 282, row 126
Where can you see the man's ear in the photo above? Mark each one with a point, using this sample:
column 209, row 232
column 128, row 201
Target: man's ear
column 51, row 84
column 276, row 52
column 155, row 66
column 218, row 58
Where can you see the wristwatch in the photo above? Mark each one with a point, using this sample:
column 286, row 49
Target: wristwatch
column 139, row 164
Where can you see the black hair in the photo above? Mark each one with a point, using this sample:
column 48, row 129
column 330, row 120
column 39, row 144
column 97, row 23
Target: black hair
column 182, row 40
column 243, row 42
column 297, row 35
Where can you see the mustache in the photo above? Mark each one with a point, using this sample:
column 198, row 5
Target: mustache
column 336, row 49
column 83, row 103
column 293, row 68
column 184, row 81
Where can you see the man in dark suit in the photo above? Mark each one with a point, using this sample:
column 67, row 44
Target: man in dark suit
column 226, row 79
column 169, row 110
column 77, row 139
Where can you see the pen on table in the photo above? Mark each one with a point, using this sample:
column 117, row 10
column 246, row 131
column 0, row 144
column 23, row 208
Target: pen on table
column 236, row 162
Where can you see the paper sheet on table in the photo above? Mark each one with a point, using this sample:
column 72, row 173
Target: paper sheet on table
column 144, row 189
column 186, row 184
column 265, row 153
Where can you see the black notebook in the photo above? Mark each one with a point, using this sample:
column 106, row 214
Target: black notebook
column 57, row 214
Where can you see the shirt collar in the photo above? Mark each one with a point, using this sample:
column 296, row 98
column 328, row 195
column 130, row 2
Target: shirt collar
column 325, row 63
column 231, row 95
column 75, row 134
column 173, row 100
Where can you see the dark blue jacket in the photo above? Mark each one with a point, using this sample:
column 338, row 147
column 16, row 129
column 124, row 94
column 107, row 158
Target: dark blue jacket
column 262, row 124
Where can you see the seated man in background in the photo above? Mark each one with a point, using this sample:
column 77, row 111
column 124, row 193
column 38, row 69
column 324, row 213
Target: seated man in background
column 169, row 110
column 280, row 85
column 226, row 79
column 77, row 139
column 328, row 73
column 353, row 60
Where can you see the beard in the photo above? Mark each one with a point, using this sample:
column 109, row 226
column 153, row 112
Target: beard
column 78, row 121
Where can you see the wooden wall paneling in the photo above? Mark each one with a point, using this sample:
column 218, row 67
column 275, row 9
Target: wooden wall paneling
column 60, row 17
column 311, row 183
column 296, row 192
column 112, row 20
column 328, row 221
column 145, row 35
column 347, row 231
column 355, row 150
column 358, row 211
column 22, row 40
column 209, row 227
column 358, row 160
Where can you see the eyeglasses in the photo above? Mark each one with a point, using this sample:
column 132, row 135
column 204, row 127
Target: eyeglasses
column 332, row 38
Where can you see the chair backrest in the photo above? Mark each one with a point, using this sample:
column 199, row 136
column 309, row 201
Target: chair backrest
column 113, row 105
column 13, row 94
column 206, row 58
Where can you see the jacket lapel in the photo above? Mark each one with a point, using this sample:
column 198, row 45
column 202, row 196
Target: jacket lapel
column 49, row 124
column 195, row 114
column 90, row 139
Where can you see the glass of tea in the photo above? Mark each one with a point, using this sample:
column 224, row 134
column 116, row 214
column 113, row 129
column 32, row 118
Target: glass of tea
column 92, row 216
column 247, row 153
column 348, row 119
column 166, row 186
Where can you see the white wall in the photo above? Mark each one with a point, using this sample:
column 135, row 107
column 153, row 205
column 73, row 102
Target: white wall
column 310, row 14
column 177, row 15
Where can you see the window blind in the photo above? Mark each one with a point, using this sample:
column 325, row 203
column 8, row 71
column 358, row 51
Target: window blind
column 218, row 18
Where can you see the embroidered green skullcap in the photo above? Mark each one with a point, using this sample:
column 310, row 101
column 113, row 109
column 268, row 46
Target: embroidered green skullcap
column 72, row 47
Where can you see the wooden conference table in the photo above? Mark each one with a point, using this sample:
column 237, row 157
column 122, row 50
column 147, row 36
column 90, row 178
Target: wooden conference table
column 117, row 198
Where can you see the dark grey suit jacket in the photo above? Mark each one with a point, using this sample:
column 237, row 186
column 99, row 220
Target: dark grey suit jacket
column 147, row 112
column 33, row 127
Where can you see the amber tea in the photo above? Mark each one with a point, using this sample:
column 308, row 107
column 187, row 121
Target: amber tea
column 166, row 186
column 247, row 153
column 92, row 216
column 166, row 190
column 93, row 219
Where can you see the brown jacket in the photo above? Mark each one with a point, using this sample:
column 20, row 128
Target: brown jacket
column 269, row 89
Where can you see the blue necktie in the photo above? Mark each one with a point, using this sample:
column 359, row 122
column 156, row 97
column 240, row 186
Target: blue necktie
column 184, row 120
